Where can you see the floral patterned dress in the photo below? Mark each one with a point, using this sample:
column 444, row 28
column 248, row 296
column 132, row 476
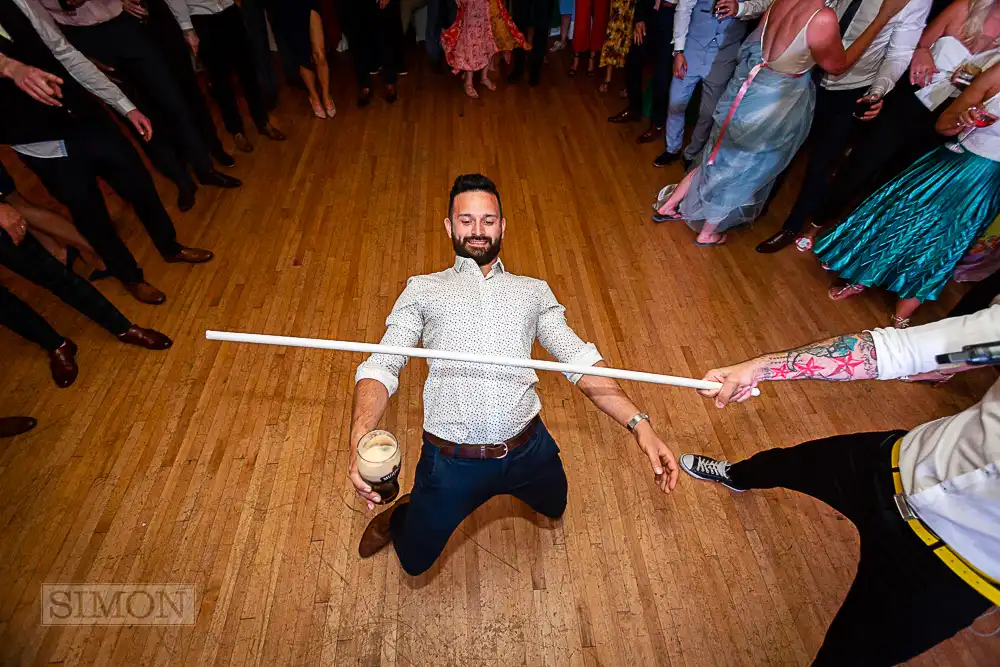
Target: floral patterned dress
column 481, row 29
column 619, row 38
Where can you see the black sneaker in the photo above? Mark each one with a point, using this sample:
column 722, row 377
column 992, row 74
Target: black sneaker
column 709, row 470
column 665, row 158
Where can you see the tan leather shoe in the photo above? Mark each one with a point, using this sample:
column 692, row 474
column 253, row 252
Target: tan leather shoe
column 242, row 143
column 190, row 256
column 147, row 338
column 146, row 293
column 62, row 363
column 377, row 534
column 272, row 133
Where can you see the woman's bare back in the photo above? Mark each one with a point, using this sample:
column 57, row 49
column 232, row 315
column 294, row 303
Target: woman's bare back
column 784, row 22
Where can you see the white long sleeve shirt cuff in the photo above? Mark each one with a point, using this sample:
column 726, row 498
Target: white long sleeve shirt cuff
column 181, row 13
column 904, row 352
column 587, row 357
column 370, row 372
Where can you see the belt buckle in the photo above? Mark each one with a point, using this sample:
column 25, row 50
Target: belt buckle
column 904, row 507
column 506, row 449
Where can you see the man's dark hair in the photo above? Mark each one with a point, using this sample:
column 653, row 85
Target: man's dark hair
column 473, row 183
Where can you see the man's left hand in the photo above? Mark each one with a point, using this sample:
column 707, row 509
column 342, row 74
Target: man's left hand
column 661, row 458
column 141, row 124
column 873, row 110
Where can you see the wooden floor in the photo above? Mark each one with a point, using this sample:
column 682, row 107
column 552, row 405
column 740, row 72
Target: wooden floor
column 224, row 466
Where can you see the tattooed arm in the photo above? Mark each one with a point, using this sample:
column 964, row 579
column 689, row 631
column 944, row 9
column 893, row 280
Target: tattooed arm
column 838, row 359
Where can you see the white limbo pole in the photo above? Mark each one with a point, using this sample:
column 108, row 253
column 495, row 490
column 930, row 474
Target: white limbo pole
column 535, row 364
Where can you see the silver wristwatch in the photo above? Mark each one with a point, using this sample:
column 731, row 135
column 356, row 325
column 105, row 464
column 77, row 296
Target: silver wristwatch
column 632, row 423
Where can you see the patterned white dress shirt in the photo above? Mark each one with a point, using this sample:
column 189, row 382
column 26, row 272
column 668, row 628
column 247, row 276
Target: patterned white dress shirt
column 498, row 314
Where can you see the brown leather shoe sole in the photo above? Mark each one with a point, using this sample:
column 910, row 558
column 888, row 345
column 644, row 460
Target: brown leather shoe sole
column 190, row 256
column 377, row 533
column 146, row 293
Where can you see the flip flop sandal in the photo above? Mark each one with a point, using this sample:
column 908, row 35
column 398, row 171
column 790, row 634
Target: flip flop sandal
column 721, row 241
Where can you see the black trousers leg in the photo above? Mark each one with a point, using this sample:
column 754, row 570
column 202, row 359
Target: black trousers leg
column 661, row 27
column 354, row 22
column 389, row 32
column 833, row 123
column 214, row 51
column 542, row 15
column 635, row 62
column 904, row 600
column 73, row 181
column 241, row 56
column 116, row 162
column 30, row 260
column 902, row 133
column 22, row 319
column 123, row 43
column 163, row 29
column 255, row 21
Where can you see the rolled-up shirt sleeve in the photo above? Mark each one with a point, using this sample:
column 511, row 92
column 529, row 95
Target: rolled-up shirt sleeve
column 181, row 13
column 404, row 327
column 901, row 352
column 902, row 43
column 560, row 340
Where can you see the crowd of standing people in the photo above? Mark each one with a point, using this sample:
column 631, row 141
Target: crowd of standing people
column 893, row 102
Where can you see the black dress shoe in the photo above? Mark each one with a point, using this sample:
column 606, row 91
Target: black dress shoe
column 390, row 93
column 185, row 198
column 665, row 158
column 11, row 426
column 776, row 242
column 651, row 134
column 218, row 179
column 364, row 98
column 626, row 116
column 687, row 164
column 223, row 158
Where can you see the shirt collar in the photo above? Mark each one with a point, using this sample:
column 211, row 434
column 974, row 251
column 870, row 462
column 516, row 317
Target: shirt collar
column 468, row 264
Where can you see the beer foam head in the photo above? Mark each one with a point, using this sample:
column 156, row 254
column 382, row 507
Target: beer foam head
column 378, row 455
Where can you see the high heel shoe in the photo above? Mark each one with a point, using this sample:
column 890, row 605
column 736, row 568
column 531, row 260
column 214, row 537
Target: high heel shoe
column 318, row 109
column 575, row 66
column 592, row 64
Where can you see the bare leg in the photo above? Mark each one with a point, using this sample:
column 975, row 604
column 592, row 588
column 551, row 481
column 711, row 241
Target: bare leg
column 670, row 206
column 56, row 228
column 904, row 311
column 607, row 80
column 309, row 79
column 470, row 89
column 54, row 248
column 708, row 234
column 485, row 79
column 318, row 41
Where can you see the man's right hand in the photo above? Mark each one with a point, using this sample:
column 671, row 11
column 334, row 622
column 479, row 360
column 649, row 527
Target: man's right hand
column 40, row 85
column 725, row 9
column 361, row 487
column 680, row 66
column 738, row 382
column 13, row 223
column 639, row 33
column 135, row 8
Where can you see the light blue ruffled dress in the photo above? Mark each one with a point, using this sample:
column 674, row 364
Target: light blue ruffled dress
column 909, row 236
column 766, row 127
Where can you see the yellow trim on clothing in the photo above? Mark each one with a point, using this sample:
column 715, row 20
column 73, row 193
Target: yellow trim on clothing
column 983, row 584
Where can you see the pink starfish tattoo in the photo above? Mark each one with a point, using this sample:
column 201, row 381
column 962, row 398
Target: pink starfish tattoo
column 809, row 369
column 781, row 372
column 847, row 364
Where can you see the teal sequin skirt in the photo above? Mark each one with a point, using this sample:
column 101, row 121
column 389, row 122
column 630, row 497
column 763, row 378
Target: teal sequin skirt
column 908, row 236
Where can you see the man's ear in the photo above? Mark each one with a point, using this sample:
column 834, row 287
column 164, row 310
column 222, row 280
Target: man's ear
column 447, row 227
column 503, row 227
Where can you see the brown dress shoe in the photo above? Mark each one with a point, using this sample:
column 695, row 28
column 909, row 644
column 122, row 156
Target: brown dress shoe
column 627, row 116
column 147, row 338
column 62, row 362
column 242, row 143
column 146, row 293
column 377, row 533
column 190, row 256
column 272, row 133
column 651, row 134
column 775, row 243
column 11, row 426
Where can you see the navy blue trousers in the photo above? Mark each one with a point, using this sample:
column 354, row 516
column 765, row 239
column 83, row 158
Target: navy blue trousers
column 447, row 489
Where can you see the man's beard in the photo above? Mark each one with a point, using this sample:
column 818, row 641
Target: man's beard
column 481, row 256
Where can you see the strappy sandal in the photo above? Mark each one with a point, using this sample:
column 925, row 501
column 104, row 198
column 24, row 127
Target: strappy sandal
column 845, row 291
column 592, row 64
column 899, row 322
column 575, row 65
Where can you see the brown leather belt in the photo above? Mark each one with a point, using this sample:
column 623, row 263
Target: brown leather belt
column 495, row 451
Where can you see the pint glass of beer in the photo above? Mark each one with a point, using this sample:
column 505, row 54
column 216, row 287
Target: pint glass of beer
column 378, row 463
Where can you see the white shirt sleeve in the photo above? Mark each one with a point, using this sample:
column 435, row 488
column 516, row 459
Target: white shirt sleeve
column 901, row 352
column 751, row 9
column 682, row 20
column 559, row 339
column 179, row 9
column 404, row 327
column 81, row 69
column 902, row 43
